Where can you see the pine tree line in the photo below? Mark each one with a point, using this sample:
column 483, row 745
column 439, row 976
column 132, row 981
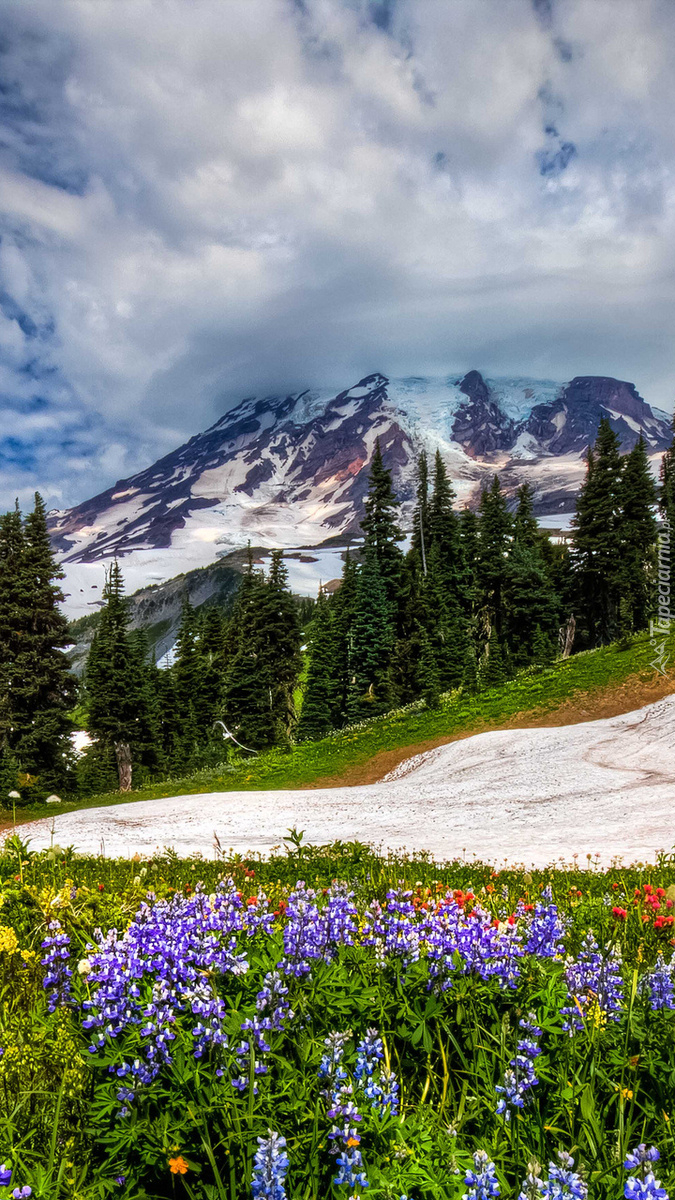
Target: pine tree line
column 235, row 675
column 480, row 596
column 477, row 597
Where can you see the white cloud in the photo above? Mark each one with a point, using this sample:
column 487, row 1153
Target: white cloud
column 203, row 200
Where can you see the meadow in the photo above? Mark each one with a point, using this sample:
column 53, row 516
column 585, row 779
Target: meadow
column 534, row 694
column 333, row 1023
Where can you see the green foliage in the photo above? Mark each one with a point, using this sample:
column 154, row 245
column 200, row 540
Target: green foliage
column 321, row 686
column 119, row 694
column 598, row 1093
column 597, row 540
column 36, row 687
column 371, row 636
column 380, row 527
column 532, row 691
column 495, row 531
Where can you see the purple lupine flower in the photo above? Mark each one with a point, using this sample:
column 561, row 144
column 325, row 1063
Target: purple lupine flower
column 378, row 1084
column 157, row 970
column 270, row 1166
column 564, row 1183
column 659, row 985
column 341, row 917
column 546, row 929
column 22, row 1193
column 330, row 1068
column 482, row 1181
column 305, row 932
column 520, row 1077
column 595, row 986
column 58, row 975
column 5, row 1175
column 643, row 1185
column 272, row 1013
column 471, row 943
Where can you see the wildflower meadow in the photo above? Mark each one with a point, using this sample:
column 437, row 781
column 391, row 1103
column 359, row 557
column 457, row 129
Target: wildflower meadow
column 334, row 1023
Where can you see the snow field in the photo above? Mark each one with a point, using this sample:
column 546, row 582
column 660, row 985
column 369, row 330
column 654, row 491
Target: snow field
column 603, row 788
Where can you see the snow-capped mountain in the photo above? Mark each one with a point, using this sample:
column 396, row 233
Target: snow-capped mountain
column 292, row 470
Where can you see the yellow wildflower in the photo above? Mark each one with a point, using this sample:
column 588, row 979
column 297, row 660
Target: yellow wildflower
column 8, row 942
column 178, row 1166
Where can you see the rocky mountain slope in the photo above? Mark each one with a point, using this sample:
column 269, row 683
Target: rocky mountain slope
column 291, row 470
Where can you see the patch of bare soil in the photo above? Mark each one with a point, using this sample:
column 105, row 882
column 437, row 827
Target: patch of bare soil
column 612, row 701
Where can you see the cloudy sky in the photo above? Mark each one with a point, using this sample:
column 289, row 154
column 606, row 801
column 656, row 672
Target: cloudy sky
column 204, row 199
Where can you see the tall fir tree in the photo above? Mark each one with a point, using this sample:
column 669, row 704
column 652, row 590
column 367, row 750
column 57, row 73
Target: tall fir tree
column 372, row 639
column 525, row 528
column 343, row 605
column 14, row 600
column 596, row 551
column 381, row 530
column 34, row 633
column 667, row 533
column 322, row 683
column 186, row 680
column 637, row 532
column 444, row 527
column 495, row 527
column 492, row 670
column 421, row 541
column 279, row 641
column 530, row 601
column 469, row 541
column 115, row 683
column 210, row 647
column 247, row 691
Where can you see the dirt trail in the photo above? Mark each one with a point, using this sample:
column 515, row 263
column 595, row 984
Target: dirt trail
column 611, row 701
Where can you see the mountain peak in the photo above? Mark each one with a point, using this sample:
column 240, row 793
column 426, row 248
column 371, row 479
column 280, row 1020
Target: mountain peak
column 291, row 470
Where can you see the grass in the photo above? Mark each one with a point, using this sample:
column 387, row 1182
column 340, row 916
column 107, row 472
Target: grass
column 449, row 1025
column 528, row 695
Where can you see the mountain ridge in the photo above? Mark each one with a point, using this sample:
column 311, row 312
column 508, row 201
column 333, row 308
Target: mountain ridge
column 291, row 470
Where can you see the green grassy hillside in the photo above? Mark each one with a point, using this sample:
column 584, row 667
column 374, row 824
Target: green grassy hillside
column 583, row 679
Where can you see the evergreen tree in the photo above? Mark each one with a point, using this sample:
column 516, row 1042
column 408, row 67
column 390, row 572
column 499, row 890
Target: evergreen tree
column 444, row 622
column 492, row 670
column 637, row 531
column 543, row 650
column 470, row 674
column 469, row 541
column 247, row 691
column 210, row 647
column 186, row 680
column 430, row 683
column 494, row 536
column 597, row 541
column 14, row 601
column 343, row 606
column 319, row 699
column 667, row 533
column 420, row 537
column 36, row 686
column 116, row 686
column 278, row 630
column 525, row 528
column 529, row 602
column 444, row 524
column 380, row 527
column 370, row 690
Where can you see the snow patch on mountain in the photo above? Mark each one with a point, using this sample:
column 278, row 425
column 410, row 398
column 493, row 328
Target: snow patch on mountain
column 292, row 470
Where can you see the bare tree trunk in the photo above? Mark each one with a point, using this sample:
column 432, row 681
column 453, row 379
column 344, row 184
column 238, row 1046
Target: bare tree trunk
column 566, row 636
column 123, row 756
